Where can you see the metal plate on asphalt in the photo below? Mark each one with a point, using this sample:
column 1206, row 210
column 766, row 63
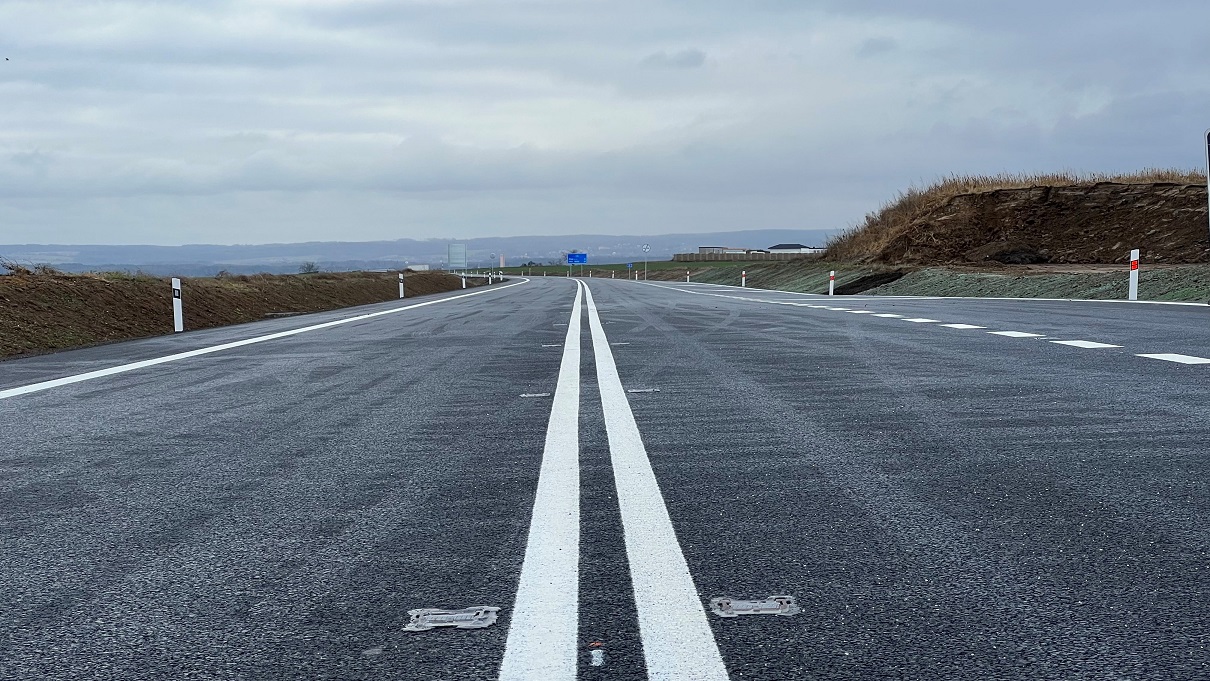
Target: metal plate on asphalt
column 475, row 617
column 784, row 606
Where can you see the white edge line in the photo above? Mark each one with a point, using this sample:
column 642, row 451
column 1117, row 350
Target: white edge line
column 678, row 644
column 543, row 631
column 123, row 368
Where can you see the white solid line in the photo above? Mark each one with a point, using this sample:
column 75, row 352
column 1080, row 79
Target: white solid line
column 1090, row 345
column 1017, row 334
column 543, row 633
column 123, row 368
column 677, row 642
column 888, row 315
column 1180, row 359
column 922, row 320
column 963, row 327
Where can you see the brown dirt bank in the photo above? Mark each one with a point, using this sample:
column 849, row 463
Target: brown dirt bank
column 44, row 312
column 1077, row 222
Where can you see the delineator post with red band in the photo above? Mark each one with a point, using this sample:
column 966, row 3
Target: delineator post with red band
column 1134, row 275
column 832, row 282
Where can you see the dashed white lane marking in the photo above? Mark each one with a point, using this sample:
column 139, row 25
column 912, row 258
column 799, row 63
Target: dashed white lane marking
column 123, row 368
column 1090, row 345
column 837, row 309
column 888, row 315
column 1017, row 334
column 677, row 641
column 922, row 320
column 861, row 311
column 543, row 635
column 963, row 327
column 1180, row 359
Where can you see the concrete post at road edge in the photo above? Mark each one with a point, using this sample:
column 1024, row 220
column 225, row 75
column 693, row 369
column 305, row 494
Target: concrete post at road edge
column 178, row 314
column 1134, row 276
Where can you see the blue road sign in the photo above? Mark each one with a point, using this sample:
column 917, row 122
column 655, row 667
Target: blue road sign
column 577, row 258
column 630, row 266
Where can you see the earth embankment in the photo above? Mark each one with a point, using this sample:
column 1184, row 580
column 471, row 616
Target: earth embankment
column 1035, row 220
column 45, row 312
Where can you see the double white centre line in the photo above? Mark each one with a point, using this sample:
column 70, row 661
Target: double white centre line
column 678, row 644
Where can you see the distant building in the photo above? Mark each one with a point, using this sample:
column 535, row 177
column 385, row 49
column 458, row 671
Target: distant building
column 794, row 248
column 418, row 268
column 715, row 250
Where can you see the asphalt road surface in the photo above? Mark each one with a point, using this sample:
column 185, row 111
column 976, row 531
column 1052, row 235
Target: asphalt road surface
column 949, row 489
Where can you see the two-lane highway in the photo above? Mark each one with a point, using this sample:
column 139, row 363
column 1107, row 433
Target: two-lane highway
column 965, row 489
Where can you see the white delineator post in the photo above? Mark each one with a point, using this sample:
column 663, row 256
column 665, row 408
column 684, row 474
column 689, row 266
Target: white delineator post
column 401, row 284
column 743, row 279
column 463, row 282
column 178, row 314
column 832, row 282
column 686, row 276
column 1134, row 275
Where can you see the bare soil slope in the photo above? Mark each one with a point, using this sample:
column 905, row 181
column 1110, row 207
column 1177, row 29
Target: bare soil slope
column 1047, row 219
column 43, row 312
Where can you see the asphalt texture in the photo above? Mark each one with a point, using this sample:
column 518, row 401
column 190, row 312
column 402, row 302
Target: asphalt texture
column 943, row 503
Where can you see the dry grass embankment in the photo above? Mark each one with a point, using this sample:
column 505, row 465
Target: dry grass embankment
column 1027, row 219
column 43, row 310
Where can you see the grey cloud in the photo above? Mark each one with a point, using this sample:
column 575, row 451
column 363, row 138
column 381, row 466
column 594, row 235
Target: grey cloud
column 684, row 59
column 877, row 46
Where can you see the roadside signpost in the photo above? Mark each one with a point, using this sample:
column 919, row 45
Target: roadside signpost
column 1208, row 167
column 630, row 270
column 646, row 250
column 580, row 259
column 178, row 315
column 1134, row 275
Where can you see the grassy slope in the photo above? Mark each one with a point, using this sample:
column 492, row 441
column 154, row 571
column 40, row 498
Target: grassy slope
column 1185, row 283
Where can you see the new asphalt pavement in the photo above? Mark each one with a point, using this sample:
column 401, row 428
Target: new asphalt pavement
column 949, row 489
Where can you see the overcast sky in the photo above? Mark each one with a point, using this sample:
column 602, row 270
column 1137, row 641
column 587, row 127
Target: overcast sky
column 256, row 121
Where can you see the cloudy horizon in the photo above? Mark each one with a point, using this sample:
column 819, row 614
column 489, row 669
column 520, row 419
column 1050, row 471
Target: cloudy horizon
column 273, row 121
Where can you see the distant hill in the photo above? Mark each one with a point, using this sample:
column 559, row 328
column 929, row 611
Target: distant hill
column 207, row 259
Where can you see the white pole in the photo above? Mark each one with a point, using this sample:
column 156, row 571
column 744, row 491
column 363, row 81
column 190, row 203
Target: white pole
column 464, row 282
column 178, row 314
column 743, row 279
column 401, row 284
column 686, row 276
column 832, row 283
column 1134, row 275
column 611, row 273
